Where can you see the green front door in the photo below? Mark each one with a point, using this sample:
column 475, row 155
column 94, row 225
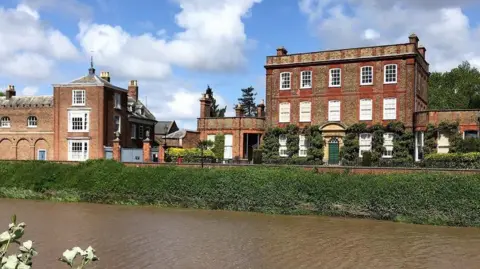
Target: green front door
column 333, row 151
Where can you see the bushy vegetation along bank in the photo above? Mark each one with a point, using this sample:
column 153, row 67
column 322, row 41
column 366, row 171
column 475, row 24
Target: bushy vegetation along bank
column 427, row 198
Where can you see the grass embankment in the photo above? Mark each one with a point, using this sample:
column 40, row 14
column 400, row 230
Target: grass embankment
column 426, row 198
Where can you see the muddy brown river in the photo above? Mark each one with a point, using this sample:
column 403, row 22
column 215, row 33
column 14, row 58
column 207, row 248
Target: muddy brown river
column 156, row 238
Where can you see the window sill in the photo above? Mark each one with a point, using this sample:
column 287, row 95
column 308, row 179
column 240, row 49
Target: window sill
column 334, row 86
column 285, row 89
column 305, row 88
column 389, row 82
column 78, row 104
column 78, row 131
column 389, row 119
column 5, row 127
column 368, row 84
column 31, row 127
column 387, row 157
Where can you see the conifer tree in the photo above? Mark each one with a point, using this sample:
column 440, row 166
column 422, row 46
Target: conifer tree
column 248, row 102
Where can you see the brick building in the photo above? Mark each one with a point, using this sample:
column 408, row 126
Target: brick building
column 78, row 122
column 337, row 88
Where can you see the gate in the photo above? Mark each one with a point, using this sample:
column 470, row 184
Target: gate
column 132, row 155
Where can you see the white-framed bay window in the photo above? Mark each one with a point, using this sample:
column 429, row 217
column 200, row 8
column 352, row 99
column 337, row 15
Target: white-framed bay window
column 284, row 110
column 302, row 146
column 78, row 150
column 78, row 121
column 366, row 109
column 334, row 110
column 366, row 75
column 306, row 79
column 78, row 98
column 390, row 108
column 388, row 145
column 305, row 111
column 390, row 74
column 282, row 149
column 285, row 80
column 335, row 78
column 365, row 143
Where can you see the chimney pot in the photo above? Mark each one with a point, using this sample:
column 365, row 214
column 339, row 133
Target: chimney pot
column 282, row 51
column 105, row 75
column 238, row 111
column 422, row 50
column 10, row 92
column 413, row 38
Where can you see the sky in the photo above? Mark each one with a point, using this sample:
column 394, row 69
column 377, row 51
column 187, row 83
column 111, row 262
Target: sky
column 175, row 48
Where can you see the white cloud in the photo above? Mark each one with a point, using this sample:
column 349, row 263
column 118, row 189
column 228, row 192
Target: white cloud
column 29, row 91
column 441, row 25
column 29, row 49
column 70, row 7
column 206, row 44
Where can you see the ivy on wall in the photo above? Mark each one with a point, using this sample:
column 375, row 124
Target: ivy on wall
column 270, row 146
column 219, row 146
column 449, row 129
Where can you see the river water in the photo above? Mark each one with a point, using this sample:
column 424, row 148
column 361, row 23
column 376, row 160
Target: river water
column 156, row 238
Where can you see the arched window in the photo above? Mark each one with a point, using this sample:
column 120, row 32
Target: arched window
column 32, row 121
column 5, row 122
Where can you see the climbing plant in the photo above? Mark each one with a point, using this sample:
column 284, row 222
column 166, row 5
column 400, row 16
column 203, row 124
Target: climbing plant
column 316, row 143
column 219, row 146
column 449, row 129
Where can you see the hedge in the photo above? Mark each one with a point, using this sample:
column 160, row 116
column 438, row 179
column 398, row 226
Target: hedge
column 428, row 198
column 453, row 160
column 192, row 155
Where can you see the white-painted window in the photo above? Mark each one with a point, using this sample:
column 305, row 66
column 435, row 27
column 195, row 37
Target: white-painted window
column 306, row 79
column 442, row 143
column 284, row 112
column 302, row 146
column 134, row 131
column 390, row 74
column 140, row 132
column 366, row 109
column 305, row 111
column 471, row 134
column 32, row 121
column 285, row 80
column 117, row 124
column 335, row 77
column 78, row 150
column 118, row 101
column 388, row 145
column 211, row 137
column 78, row 97
column 5, row 122
column 366, row 75
column 419, row 138
column 333, row 110
column 42, row 155
column 228, row 149
column 389, row 108
column 365, row 143
column 78, row 121
column 282, row 150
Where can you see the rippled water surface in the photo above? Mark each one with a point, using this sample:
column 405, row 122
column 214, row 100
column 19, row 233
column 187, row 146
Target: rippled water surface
column 154, row 238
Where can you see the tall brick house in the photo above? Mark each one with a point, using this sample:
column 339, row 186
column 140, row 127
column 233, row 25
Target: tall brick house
column 77, row 123
column 337, row 88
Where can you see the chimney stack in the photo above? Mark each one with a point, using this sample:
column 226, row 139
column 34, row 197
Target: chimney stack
column 261, row 109
column 133, row 89
column 105, row 76
column 413, row 38
column 205, row 106
column 239, row 111
column 282, row 51
column 10, row 92
column 422, row 50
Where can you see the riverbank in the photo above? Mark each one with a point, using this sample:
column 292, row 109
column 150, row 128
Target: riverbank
column 423, row 198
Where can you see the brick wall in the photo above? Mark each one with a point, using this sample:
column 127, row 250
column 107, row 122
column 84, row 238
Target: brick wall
column 191, row 139
column 467, row 119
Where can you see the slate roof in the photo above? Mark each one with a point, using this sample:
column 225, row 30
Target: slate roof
column 160, row 127
column 147, row 115
column 27, row 101
column 91, row 79
column 177, row 134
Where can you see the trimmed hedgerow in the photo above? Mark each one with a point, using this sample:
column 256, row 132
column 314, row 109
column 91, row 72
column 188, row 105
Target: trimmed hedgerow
column 453, row 160
column 428, row 198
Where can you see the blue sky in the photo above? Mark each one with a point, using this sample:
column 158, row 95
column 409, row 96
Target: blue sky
column 174, row 48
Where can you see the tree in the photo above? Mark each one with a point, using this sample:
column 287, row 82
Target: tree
column 458, row 88
column 248, row 102
column 215, row 111
column 2, row 93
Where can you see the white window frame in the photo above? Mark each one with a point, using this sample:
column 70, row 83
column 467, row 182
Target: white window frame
column 133, row 131
column 366, row 113
column 362, row 75
column 387, row 115
column 115, row 117
column 284, row 116
column 385, row 74
column 388, row 145
column 83, row 98
column 38, row 154
column 302, row 146
column 331, row 115
column 5, row 122
column 117, row 100
column 364, row 143
column 306, row 74
column 211, row 137
column 330, row 78
column 282, row 149
column 282, row 79
column 32, row 121
column 478, row 133
column 85, row 153
column 85, row 115
column 305, row 111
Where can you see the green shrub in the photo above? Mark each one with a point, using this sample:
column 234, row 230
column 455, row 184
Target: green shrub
column 192, row 155
column 453, row 160
column 367, row 158
column 469, row 144
column 432, row 198
column 219, row 146
column 257, row 156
